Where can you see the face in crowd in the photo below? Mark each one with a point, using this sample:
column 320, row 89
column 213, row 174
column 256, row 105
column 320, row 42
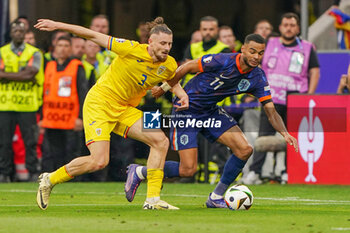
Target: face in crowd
column 30, row 38
column 263, row 28
column 17, row 33
column 289, row 28
column 209, row 30
column 100, row 24
column 63, row 49
column 78, row 47
column 226, row 36
column 91, row 49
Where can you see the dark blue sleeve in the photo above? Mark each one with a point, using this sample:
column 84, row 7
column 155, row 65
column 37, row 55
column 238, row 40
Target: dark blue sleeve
column 212, row 62
column 261, row 89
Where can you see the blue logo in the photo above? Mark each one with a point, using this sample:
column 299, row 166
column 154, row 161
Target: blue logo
column 243, row 85
column 151, row 120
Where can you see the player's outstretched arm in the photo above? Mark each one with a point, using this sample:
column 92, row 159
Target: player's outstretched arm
column 189, row 67
column 50, row 25
column 277, row 123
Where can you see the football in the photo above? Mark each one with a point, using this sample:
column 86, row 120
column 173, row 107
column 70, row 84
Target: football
column 239, row 197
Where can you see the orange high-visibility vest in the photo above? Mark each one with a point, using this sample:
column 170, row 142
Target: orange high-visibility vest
column 61, row 101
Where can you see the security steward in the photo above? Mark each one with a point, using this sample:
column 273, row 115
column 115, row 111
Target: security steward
column 21, row 83
column 65, row 88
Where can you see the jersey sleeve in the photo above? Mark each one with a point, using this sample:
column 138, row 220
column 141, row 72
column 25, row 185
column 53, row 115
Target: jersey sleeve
column 211, row 62
column 121, row 46
column 262, row 89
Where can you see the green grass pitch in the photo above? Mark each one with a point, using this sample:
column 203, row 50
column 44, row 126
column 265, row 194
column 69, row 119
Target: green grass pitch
column 102, row 207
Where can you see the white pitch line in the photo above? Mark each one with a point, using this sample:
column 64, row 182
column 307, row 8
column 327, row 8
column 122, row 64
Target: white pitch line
column 340, row 228
column 288, row 199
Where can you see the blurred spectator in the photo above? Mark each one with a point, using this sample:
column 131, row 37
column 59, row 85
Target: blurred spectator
column 142, row 33
column 22, row 19
column 21, row 79
column 65, row 88
column 210, row 44
column 50, row 55
column 78, row 47
column 344, row 83
column 29, row 38
column 91, row 64
column 100, row 23
column 196, row 37
column 227, row 37
column 291, row 66
column 18, row 144
column 264, row 28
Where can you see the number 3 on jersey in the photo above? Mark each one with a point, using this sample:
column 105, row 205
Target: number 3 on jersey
column 143, row 80
column 220, row 83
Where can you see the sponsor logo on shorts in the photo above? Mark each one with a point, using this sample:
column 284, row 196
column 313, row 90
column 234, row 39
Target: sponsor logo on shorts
column 98, row 131
column 184, row 139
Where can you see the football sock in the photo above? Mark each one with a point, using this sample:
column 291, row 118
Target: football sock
column 232, row 168
column 154, row 184
column 141, row 172
column 59, row 176
column 171, row 169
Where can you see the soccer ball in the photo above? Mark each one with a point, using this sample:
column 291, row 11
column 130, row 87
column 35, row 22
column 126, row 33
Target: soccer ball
column 239, row 197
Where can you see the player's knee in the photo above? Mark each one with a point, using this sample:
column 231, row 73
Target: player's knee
column 98, row 164
column 188, row 171
column 161, row 142
column 245, row 152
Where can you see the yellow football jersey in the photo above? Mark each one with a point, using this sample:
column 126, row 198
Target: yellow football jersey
column 132, row 73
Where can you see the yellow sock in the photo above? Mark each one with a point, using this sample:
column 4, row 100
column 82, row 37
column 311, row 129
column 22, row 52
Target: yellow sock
column 59, row 176
column 154, row 184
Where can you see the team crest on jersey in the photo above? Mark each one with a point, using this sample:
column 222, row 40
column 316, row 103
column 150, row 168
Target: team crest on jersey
column 243, row 85
column 207, row 59
column 161, row 70
column 119, row 40
column 184, row 139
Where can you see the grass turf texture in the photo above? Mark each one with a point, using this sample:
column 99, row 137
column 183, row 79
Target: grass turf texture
column 102, row 207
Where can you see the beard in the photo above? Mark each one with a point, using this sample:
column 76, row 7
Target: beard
column 247, row 63
column 161, row 58
column 288, row 38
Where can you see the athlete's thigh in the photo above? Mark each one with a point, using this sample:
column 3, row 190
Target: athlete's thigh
column 234, row 138
column 220, row 122
column 99, row 151
column 98, row 119
column 147, row 136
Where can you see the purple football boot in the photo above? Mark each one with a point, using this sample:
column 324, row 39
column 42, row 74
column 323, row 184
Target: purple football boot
column 219, row 203
column 132, row 182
